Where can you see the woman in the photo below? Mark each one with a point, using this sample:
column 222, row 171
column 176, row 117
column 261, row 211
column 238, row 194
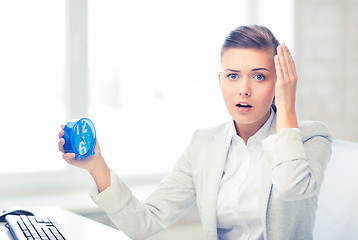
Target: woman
column 255, row 177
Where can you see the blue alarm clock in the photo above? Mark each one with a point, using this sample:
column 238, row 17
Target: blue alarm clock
column 80, row 137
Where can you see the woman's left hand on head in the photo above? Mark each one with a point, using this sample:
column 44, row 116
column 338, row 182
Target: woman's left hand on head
column 285, row 89
column 286, row 83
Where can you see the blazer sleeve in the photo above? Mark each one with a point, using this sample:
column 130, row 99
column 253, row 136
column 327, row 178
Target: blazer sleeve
column 174, row 195
column 298, row 158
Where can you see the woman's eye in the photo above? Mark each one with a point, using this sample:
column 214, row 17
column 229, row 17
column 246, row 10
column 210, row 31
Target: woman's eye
column 259, row 77
column 232, row 76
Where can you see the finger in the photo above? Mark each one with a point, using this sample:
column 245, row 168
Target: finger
column 280, row 53
column 60, row 145
column 61, row 133
column 289, row 58
column 69, row 157
column 63, row 126
column 278, row 67
column 291, row 71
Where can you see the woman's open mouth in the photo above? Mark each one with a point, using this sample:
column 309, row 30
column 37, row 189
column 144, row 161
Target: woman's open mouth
column 243, row 107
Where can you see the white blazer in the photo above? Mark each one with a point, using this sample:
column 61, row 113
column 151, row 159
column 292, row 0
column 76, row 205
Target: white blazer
column 290, row 182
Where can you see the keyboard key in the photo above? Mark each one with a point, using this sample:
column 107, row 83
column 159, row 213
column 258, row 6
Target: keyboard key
column 27, row 233
column 22, row 225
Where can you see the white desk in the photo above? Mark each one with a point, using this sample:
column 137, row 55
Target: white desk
column 76, row 226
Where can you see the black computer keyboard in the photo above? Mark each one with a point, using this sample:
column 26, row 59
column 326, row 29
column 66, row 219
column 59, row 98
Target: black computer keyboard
column 25, row 227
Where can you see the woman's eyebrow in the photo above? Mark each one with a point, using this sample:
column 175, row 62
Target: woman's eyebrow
column 257, row 69
column 232, row 70
column 253, row 70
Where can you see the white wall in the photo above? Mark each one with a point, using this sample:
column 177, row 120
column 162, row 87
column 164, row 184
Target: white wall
column 326, row 37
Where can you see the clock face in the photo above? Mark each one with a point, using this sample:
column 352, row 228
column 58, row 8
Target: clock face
column 82, row 137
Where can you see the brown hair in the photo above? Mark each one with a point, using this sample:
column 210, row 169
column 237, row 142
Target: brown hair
column 252, row 36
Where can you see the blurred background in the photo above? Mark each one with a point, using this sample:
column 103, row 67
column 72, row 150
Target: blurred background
column 146, row 72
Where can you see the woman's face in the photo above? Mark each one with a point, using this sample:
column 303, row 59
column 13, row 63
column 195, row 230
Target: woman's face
column 247, row 81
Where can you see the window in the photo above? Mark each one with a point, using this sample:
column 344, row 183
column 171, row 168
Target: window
column 32, row 77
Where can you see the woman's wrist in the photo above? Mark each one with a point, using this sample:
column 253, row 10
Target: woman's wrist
column 101, row 174
column 286, row 117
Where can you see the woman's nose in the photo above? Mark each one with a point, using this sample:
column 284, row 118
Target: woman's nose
column 244, row 89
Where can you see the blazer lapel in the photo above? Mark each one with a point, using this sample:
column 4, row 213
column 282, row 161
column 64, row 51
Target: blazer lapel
column 266, row 183
column 212, row 178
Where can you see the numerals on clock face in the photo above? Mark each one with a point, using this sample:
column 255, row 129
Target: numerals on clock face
column 83, row 137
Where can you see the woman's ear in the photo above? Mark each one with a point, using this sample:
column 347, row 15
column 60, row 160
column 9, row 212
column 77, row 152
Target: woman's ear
column 219, row 75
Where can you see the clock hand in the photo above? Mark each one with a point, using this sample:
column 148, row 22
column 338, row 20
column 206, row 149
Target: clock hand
column 83, row 135
column 83, row 139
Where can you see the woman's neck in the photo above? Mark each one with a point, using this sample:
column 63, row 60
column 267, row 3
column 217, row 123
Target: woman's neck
column 245, row 131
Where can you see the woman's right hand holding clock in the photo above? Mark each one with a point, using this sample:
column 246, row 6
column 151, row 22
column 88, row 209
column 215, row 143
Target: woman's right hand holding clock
column 94, row 164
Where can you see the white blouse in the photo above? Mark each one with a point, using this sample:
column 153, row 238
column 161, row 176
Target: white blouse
column 238, row 215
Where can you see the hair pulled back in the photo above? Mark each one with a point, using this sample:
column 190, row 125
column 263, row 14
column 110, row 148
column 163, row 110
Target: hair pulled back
column 251, row 36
